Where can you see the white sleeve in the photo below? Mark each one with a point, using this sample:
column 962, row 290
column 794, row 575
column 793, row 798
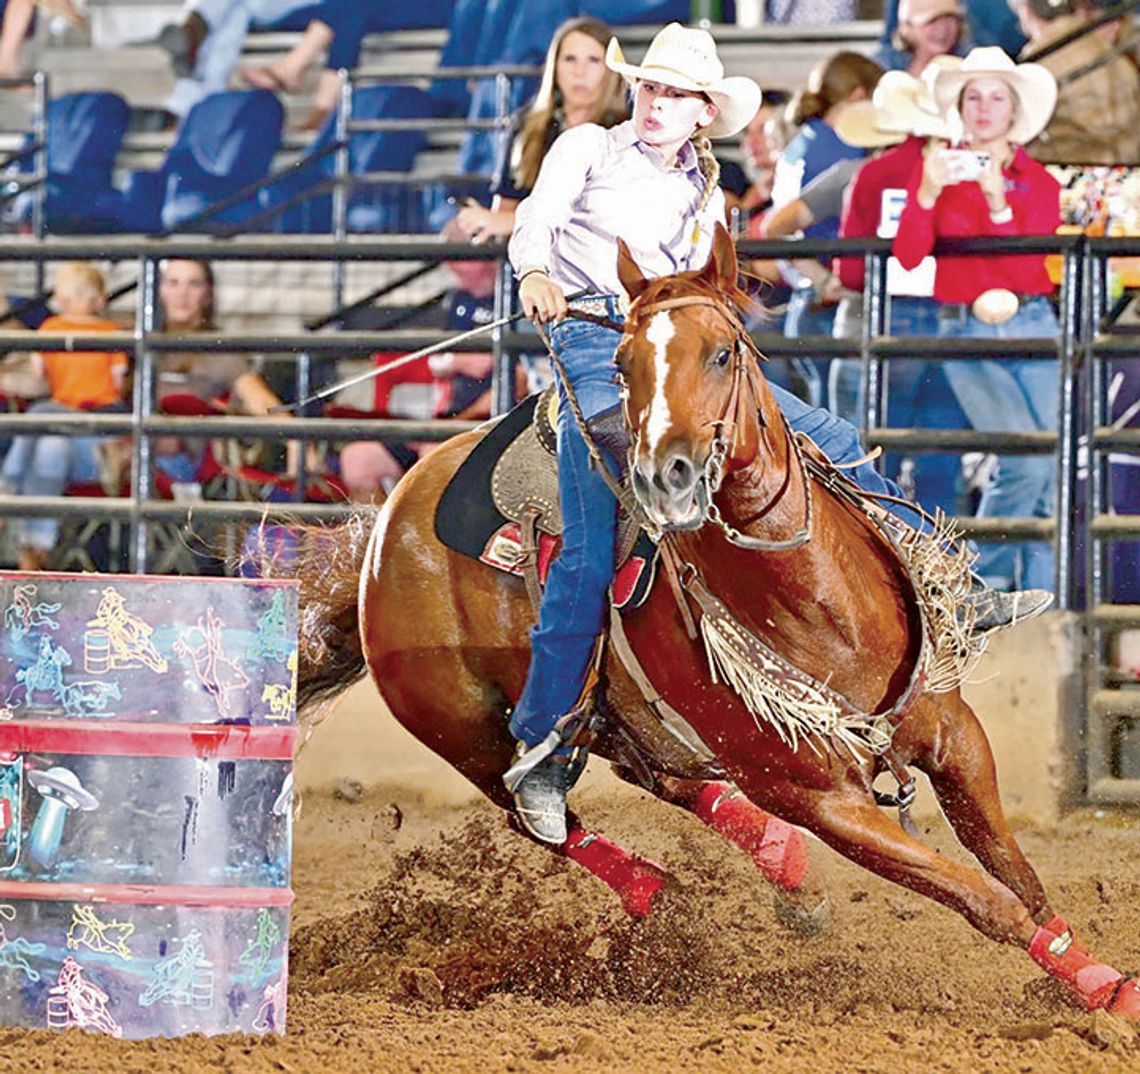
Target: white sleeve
column 561, row 179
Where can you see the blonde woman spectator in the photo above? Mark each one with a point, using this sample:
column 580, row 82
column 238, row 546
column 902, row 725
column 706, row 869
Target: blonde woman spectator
column 926, row 29
column 576, row 88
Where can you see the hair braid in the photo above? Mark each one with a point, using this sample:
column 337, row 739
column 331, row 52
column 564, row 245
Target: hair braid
column 709, row 165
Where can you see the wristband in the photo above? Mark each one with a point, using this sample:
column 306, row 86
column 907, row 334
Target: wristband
column 530, row 272
column 1002, row 216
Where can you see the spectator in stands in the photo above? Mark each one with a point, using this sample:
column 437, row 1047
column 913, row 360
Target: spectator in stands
column 339, row 26
column 833, row 85
column 761, row 143
column 926, row 28
column 16, row 25
column 811, row 12
column 206, row 44
column 902, row 117
column 576, row 88
column 224, row 381
column 988, row 22
column 371, row 468
column 78, row 380
column 1097, row 118
column 992, row 187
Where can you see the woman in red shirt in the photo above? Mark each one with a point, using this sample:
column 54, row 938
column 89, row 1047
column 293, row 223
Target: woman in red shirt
column 990, row 186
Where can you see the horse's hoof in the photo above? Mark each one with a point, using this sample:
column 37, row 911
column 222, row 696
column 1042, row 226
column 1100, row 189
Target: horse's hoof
column 803, row 916
column 1126, row 1002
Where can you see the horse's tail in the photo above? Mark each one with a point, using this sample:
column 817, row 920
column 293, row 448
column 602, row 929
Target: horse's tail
column 326, row 560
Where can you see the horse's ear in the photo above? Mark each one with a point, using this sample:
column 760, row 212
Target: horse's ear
column 722, row 259
column 632, row 278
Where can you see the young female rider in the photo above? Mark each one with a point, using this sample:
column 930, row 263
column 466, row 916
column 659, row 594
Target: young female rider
column 651, row 181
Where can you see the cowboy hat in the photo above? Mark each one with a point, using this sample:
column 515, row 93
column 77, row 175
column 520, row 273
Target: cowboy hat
column 686, row 58
column 1034, row 86
column 920, row 12
column 901, row 105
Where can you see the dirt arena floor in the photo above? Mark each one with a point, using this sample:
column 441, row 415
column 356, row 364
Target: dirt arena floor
column 429, row 938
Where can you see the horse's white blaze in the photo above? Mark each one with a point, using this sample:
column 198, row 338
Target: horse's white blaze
column 659, row 333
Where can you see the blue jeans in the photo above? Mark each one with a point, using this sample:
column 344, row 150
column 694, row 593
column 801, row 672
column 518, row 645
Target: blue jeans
column 803, row 320
column 918, row 396
column 575, row 602
column 45, row 466
column 1015, row 395
column 229, row 21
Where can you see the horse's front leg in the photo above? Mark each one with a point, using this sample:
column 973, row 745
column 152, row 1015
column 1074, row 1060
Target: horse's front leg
column 850, row 822
column 958, row 759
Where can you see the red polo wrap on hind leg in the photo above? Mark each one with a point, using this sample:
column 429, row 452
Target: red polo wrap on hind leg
column 1092, row 983
column 636, row 880
column 775, row 846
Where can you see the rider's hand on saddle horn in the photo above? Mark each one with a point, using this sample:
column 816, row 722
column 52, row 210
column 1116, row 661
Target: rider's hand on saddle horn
column 542, row 300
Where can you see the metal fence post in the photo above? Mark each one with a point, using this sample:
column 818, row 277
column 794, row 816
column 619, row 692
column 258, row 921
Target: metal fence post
column 341, row 163
column 1068, row 431
column 141, row 484
column 40, row 166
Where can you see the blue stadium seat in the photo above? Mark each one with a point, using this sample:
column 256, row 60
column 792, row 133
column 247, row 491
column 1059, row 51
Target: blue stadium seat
column 461, row 49
column 634, row 12
column 378, row 209
column 84, row 134
column 526, row 30
column 226, row 142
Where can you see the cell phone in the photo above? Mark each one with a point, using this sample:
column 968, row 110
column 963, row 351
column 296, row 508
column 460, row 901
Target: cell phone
column 964, row 165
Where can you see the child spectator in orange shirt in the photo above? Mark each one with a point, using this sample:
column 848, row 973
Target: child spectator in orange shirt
column 78, row 380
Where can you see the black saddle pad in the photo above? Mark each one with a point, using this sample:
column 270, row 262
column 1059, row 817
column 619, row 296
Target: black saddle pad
column 466, row 517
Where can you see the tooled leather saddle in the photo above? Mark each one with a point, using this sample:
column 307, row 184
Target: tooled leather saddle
column 501, row 506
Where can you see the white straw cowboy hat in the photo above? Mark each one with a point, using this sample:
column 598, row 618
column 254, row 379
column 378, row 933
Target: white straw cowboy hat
column 900, row 106
column 686, row 58
column 920, row 12
column 1034, row 86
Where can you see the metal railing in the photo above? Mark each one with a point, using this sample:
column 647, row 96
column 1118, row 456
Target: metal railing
column 1085, row 343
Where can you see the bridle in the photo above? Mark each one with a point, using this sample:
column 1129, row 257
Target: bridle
column 743, row 392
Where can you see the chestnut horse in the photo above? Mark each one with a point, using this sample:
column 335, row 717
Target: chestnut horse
column 445, row 639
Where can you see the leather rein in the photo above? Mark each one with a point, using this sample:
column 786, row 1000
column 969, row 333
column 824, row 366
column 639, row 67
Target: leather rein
column 745, row 370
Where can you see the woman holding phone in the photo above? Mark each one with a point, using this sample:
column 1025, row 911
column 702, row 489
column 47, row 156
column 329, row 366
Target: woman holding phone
column 989, row 186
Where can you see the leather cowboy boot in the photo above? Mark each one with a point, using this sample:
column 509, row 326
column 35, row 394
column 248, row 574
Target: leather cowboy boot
column 540, row 800
column 995, row 610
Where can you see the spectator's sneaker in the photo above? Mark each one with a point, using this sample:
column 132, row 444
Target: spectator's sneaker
column 181, row 41
column 994, row 610
column 540, row 801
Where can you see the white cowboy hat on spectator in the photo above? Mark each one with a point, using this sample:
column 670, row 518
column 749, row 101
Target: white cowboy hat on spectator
column 686, row 58
column 900, row 106
column 920, row 12
column 1033, row 85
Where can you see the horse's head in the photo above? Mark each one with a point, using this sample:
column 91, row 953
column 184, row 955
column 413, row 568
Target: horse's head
column 690, row 383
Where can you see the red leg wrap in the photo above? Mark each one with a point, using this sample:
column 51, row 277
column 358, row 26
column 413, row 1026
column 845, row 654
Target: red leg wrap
column 1092, row 983
column 636, row 880
column 775, row 846
column 1126, row 1002
column 1057, row 925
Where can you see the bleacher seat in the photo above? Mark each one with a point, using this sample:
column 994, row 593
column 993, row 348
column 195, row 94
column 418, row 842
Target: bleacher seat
column 379, row 209
column 226, row 142
column 84, row 133
column 644, row 12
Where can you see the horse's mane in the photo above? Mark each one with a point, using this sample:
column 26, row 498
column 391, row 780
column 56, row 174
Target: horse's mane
column 691, row 283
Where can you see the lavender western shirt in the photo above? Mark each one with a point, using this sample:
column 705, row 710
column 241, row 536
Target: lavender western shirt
column 596, row 186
